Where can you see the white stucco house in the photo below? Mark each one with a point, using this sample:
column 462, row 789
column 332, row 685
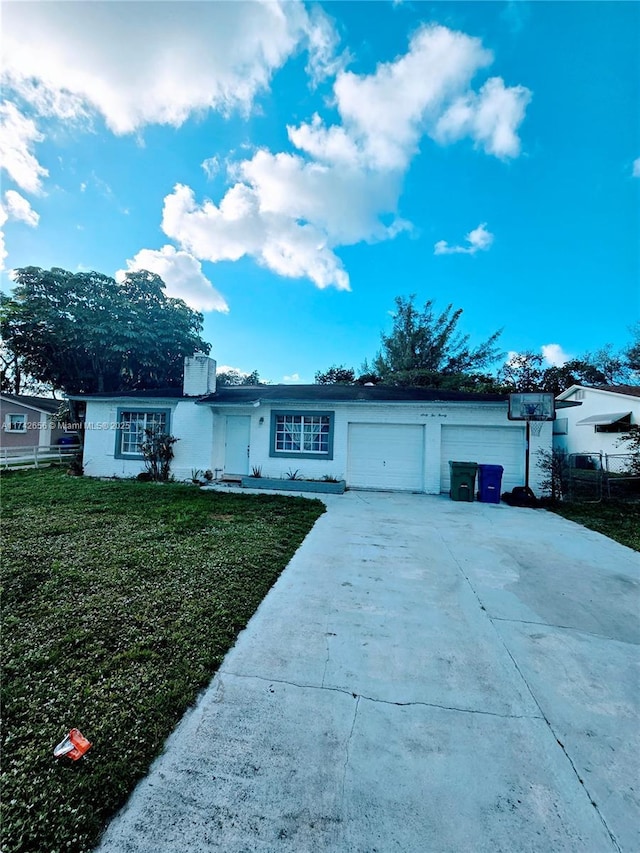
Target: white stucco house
column 595, row 426
column 373, row 437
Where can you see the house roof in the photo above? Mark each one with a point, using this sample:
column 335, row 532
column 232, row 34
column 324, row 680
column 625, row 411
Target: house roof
column 248, row 395
column 144, row 394
column 629, row 390
column 252, row 394
column 42, row 404
column 625, row 390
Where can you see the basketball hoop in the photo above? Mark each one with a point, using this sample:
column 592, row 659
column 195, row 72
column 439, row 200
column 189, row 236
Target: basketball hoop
column 534, row 408
column 535, row 426
column 533, row 415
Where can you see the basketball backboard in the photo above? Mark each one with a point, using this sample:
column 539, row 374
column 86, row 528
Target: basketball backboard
column 531, row 407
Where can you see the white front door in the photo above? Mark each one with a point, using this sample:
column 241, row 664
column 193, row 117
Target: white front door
column 236, row 457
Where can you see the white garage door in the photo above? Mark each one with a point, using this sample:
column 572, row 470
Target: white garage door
column 487, row 446
column 386, row 456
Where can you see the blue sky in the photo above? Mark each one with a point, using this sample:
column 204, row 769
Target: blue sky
column 289, row 169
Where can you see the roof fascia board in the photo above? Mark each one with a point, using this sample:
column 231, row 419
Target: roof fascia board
column 574, row 388
column 289, row 401
column 27, row 406
column 125, row 400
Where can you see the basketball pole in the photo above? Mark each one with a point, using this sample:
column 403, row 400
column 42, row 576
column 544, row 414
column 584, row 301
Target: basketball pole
column 527, row 442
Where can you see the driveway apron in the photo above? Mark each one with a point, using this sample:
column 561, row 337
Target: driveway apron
column 425, row 675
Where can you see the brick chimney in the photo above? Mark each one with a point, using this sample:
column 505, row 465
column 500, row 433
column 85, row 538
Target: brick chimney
column 199, row 375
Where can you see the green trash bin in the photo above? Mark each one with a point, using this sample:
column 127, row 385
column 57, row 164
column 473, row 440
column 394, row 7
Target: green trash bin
column 463, row 480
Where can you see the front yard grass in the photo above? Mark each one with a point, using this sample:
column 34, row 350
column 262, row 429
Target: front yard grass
column 617, row 519
column 120, row 600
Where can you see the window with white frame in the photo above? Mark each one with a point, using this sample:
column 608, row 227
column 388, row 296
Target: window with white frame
column 302, row 434
column 15, row 423
column 131, row 429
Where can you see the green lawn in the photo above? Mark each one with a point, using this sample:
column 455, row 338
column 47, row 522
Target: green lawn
column 120, row 600
column 617, row 519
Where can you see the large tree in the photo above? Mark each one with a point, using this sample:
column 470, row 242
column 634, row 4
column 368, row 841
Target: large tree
column 337, row 374
column 523, row 371
column 236, row 377
column 632, row 353
column 86, row 333
column 426, row 348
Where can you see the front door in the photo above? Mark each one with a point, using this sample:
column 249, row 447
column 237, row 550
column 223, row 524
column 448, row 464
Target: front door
column 236, row 458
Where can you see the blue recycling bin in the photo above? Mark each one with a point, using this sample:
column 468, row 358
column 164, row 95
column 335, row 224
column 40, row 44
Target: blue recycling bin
column 69, row 439
column 489, row 483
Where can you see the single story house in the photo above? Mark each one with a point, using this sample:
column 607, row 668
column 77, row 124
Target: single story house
column 595, row 426
column 373, row 437
column 28, row 422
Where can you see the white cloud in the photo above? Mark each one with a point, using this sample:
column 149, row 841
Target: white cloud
column 348, row 176
column 69, row 59
column 324, row 60
column 426, row 90
column 516, row 15
column 480, row 239
column 211, row 167
column 491, row 118
column 291, row 211
column 182, row 275
column 636, row 168
column 18, row 208
column 18, row 134
column 239, row 226
column 3, row 251
column 293, row 379
column 554, row 355
column 228, row 368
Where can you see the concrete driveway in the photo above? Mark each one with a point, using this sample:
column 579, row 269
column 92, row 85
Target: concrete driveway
column 425, row 676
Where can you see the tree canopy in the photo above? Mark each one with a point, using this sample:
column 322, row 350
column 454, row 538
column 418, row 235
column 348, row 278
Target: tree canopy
column 337, row 374
column 235, row 377
column 525, row 371
column 632, row 353
column 426, row 348
column 86, row 333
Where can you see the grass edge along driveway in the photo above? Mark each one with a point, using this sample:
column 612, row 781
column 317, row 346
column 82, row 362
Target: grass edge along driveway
column 120, row 600
column 615, row 518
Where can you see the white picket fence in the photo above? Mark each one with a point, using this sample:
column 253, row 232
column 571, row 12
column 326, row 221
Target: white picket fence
column 28, row 457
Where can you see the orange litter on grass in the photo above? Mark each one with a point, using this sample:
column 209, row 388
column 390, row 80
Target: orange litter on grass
column 73, row 746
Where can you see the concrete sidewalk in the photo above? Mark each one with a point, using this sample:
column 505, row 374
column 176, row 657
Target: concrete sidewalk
column 424, row 676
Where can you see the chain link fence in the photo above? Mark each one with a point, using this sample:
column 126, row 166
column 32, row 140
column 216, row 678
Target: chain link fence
column 591, row 477
column 622, row 475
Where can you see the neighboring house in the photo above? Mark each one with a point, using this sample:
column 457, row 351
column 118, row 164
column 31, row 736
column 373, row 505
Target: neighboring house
column 372, row 436
column 28, row 421
column 596, row 425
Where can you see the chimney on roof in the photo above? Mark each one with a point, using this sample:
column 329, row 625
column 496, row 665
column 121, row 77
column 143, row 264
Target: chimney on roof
column 199, row 375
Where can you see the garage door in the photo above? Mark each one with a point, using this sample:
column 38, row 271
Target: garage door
column 484, row 445
column 386, row 456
